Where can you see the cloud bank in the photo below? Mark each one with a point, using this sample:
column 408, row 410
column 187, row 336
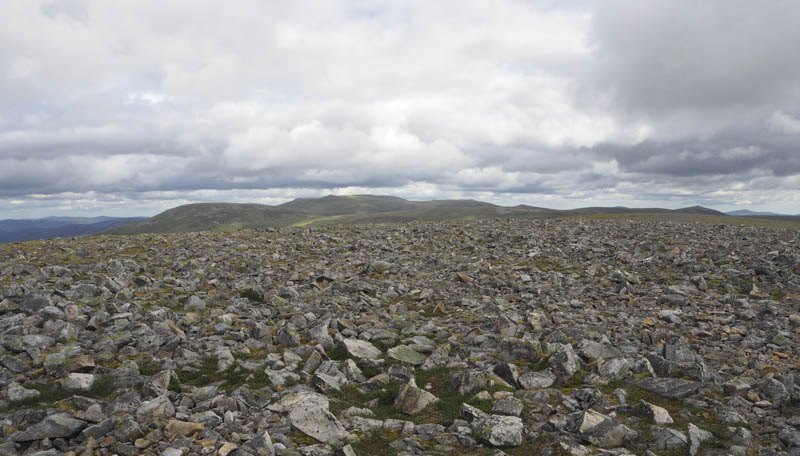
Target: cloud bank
column 132, row 107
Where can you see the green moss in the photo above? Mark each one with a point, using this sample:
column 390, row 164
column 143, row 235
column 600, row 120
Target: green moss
column 104, row 387
column 337, row 353
column 350, row 396
column 202, row 375
column 777, row 294
column 252, row 295
column 676, row 408
column 148, row 367
column 376, row 442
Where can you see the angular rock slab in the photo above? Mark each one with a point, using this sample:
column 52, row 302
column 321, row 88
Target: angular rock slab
column 599, row 429
column 406, row 354
column 668, row 439
column 696, row 437
column 537, row 380
column 411, row 400
column 17, row 392
column 614, row 369
column 468, row 380
column 654, row 413
column 262, row 445
column 673, row 388
column 60, row 425
column 565, row 364
column 316, row 421
column 500, row 431
column 361, row 349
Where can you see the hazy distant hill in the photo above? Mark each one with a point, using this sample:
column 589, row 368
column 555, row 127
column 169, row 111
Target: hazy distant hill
column 356, row 209
column 749, row 213
column 694, row 210
column 18, row 230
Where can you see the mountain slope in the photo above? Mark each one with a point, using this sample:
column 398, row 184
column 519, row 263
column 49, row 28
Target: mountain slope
column 698, row 210
column 355, row 209
column 213, row 217
column 354, row 204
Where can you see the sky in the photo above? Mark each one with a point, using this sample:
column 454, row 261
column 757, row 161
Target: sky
column 132, row 107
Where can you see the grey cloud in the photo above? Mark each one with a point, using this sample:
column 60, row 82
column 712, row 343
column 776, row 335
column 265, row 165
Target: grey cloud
column 657, row 57
column 645, row 100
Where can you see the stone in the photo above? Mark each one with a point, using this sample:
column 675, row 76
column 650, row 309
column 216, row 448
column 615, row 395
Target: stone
column 262, row 445
column 178, row 427
column 361, row 349
column 194, row 304
column 227, row 448
column 614, row 369
column 598, row 429
column 78, row 381
column 654, row 413
column 34, row 303
column 316, row 421
column 471, row 413
column 790, row 438
column 406, row 354
column 468, row 380
column 565, row 364
column 696, row 437
column 673, row 388
column 668, row 439
column 508, row 405
column 537, row 380
column 17, row 392
column 592, row 350
column 412, row 400
column 508, row 372
column 60, row 425
column 325, row 383
column 499, row 431
column 160, row 407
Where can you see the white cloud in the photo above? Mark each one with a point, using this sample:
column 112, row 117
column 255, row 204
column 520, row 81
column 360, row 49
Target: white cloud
column 556, row 102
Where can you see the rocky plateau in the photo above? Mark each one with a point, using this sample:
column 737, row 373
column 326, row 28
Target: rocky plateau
column 558, row 337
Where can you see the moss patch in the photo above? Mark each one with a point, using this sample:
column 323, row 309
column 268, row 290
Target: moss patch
column 104, row 387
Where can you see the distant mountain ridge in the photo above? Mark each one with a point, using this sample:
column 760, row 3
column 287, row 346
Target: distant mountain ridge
column 749, row 213
column 19, row 230
column 352, row 209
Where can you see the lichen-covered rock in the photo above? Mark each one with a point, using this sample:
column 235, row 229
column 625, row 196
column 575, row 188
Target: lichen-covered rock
column 469, row 380
column 654, row 413
column 60, row 425
column 499, row 431
column 668, row 439
column 361, row 349
column 411, row 399
column 406, row 354
column 17, row 392
column 565, row 363
column 315, row 420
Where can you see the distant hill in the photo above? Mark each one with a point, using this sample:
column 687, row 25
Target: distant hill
column 354, row 209
column 19, row 230
column 355, row 204
column 694, row 210
column 749, row 213
column 698, row 210
column 213, row 217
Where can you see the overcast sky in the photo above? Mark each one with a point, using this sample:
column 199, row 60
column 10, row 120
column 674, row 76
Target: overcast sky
column 132, row 107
